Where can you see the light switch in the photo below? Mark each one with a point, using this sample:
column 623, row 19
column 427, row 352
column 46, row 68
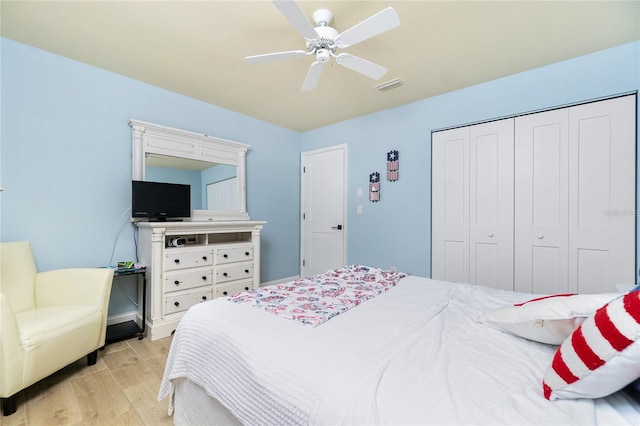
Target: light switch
column 360, row 193
column 359, row 209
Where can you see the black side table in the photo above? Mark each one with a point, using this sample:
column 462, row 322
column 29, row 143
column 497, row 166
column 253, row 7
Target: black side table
column 129, row 329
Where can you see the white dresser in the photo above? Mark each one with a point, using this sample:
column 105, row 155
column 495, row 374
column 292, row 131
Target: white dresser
column 192, row 262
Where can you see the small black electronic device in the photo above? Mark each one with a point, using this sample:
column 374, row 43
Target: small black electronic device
column 160, row 201
column 176, row 242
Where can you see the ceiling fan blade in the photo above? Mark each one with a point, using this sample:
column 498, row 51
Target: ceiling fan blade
column 382, row 21
column 258, row 59
column 360, row 65
column 295, row 15
column 313, row 76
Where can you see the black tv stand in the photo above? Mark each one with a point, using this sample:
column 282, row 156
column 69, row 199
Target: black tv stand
column 129, row 329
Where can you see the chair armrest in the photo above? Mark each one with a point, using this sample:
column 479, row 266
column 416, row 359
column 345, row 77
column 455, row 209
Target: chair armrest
column 11, row 356
column 79, row 286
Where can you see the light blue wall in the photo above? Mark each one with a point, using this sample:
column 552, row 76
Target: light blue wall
column 396, row 230
column 66, row 160
column 66, row 152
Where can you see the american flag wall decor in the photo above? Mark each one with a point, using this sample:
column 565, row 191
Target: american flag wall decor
column 392, row 165
column 374, row 186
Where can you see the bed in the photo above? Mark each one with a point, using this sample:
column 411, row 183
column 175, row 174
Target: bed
column 414, row 351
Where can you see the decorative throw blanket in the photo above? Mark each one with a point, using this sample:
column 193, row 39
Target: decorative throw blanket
column 314, row 300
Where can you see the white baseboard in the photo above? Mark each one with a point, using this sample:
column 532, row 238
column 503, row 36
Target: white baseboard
column 127, row 316
column 280, row 281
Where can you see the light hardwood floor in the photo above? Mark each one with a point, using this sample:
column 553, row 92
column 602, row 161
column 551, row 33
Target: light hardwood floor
column 120, row 389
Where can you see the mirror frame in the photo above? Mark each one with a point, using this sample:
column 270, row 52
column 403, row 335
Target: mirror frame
column 156, row 139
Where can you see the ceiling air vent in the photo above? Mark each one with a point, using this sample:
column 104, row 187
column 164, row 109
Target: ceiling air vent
column 389, row 85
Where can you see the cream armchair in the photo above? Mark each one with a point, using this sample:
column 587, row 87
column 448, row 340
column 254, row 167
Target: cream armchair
column 47, row 320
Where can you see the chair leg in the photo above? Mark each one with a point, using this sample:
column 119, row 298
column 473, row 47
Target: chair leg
column 92, row 358
column 9, row 405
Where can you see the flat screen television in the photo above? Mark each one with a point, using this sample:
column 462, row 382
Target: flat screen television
column 160, row 201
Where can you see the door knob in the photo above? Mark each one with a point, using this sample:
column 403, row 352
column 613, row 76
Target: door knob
column 337, row 227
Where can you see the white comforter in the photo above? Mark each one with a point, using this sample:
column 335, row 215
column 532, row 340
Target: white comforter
column 412, row 355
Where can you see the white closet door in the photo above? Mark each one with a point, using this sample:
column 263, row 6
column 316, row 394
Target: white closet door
column 602, row 195
column 450, row 205
column 491, row 204
column 541, row 202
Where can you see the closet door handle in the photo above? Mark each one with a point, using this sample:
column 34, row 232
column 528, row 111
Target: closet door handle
column 540, row 236
column 338, row 227
column 490, row 235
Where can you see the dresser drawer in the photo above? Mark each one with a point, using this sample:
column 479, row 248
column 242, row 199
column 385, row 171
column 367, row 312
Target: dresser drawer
column 188, row 259
column 229, row 289
column 182, row 302
column 234, row 272
column 234, row 254
column 174, row 281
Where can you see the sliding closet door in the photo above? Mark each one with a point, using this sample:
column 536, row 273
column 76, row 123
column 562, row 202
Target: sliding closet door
column 491, row 204
column 541, row 202
column 602, row 195
column 450, row 205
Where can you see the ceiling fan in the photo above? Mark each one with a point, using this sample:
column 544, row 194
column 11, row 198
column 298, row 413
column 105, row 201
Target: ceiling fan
column 323, row 41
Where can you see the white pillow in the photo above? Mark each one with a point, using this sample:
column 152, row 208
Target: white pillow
column 547, row 319
column 601, row 357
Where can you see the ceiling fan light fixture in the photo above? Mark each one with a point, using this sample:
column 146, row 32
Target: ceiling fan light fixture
column 323, row 41
column 390, row 85
column 323, row 55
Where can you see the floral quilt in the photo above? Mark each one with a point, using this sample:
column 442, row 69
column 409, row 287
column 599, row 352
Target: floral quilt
column 314, row 300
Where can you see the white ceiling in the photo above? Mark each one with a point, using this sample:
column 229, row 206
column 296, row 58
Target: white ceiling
column 197, row 48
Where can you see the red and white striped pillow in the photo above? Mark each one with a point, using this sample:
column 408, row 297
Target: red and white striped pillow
column 601, row 356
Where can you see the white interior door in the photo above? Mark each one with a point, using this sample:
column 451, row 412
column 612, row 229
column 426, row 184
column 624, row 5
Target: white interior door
column 541, row 202
column 450, row 205
column 323, row 222
column 491, row 204
column 602, row 210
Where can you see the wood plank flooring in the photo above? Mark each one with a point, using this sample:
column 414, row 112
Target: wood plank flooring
column 120, row 389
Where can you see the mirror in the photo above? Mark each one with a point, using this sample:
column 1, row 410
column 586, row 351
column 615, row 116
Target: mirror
column 213, row 167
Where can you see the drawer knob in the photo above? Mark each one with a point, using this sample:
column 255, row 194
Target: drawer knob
column 246, row 271
column 204, row 257
column 177, row 303
column 246, row 288
column 224, row 293
column 246, row 253
column 204, row 297
column 224, row 274
column 177, row 260
column 176, row 282
column 204, row 278
column 225, row 255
